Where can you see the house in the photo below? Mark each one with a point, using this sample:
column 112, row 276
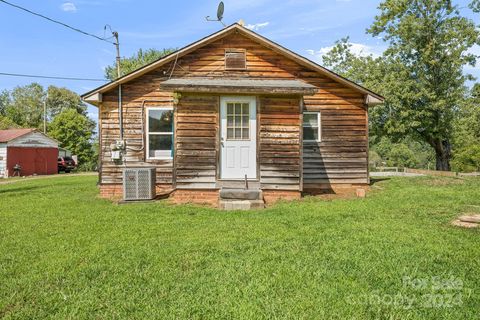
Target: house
column 33, row 151
column 231, row 107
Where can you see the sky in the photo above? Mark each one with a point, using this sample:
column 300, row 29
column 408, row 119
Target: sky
column 31, row 45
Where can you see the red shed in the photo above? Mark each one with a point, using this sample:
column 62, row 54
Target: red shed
column 33, row 151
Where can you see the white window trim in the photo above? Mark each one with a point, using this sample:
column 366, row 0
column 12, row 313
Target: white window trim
column 249, row 126
column 148, row 133
column 319, row 125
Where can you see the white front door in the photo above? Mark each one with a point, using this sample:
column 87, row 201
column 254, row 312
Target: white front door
column 238, row 138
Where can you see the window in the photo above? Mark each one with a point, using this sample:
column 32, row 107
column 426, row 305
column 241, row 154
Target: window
column 159, row 133
column 311, row 126
column 238, row 121
column 235, row 59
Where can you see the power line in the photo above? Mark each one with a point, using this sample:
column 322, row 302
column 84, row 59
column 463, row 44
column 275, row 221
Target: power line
column 49, row 77
column 56, row 21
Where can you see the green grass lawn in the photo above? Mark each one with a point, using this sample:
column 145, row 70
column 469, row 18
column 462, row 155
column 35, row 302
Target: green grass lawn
column 66, row 254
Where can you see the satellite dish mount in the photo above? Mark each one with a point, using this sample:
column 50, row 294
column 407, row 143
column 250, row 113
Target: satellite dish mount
column 220, row 10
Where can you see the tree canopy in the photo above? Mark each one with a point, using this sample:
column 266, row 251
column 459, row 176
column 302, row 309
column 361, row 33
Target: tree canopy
column 25, row 105
column 138, row 60
column 421, row 73
column 67, row 119
column 74, row 131
column 60, row 99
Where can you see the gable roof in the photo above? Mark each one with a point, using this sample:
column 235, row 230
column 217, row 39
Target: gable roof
column 93, row 95
column 10, row 134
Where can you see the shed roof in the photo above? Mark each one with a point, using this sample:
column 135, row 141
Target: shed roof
column 10, row 134
column 242, row 85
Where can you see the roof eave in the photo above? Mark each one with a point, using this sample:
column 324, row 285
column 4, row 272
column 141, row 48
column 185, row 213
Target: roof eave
column 168, row 58
column 234, row 27
column 94, row 98
column 372, row 101
column 307, row 62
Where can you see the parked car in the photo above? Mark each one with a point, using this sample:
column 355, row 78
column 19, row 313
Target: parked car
column 66, row 164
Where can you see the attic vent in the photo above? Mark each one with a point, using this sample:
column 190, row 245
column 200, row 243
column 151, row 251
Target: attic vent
column 235, row 59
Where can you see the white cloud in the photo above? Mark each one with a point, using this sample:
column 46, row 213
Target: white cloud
column 257, row 26
column 68, row 7
column 358, row 49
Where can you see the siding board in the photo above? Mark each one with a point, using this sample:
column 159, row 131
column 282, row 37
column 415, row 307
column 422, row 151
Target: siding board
column 341, row 156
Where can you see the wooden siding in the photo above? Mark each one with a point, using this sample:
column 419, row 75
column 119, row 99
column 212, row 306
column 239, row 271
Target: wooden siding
column 196, row 141
column 279, row 148
column 341, row 156
column 136, row 94
column 3, row 159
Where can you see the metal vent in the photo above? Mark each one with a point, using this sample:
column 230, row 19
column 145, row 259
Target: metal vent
column 235, row 59
column 138, row 183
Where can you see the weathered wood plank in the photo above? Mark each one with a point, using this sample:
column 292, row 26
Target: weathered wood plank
column 342, row 150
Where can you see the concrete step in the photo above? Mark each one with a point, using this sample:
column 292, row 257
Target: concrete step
column 241, row 194
column 241, row 204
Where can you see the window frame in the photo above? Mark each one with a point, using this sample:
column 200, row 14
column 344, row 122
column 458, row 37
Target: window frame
column 148, row 133
column 319, row 125
column 241, row 102
column 234, row 50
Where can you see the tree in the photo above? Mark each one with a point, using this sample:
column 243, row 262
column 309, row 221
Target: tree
column 429, row 42
column 475, row 5
column 74, row 131
column 466, row 138
column 7, row 123
column 361, row 69
column 138, row 60
column 5, row 100
column 405, row 153
column 467, row 159
column 60, row 99
column 26, row 106
column 378, row 74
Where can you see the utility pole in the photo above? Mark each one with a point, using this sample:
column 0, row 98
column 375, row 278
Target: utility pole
column 45, row 114
column 120, row 109
column 117, row 46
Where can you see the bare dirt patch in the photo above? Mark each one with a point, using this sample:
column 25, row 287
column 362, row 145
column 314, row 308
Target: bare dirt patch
column 441, row 181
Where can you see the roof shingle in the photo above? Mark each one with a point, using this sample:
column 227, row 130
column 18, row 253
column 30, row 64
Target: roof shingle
column 10, row 134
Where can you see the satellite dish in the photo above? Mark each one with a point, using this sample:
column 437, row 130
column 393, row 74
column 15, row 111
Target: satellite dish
column 220, row 10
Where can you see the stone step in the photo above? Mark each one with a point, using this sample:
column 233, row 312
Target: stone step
column 474, row 218
column 241, row 194
column 241, row 204
column 463, row 224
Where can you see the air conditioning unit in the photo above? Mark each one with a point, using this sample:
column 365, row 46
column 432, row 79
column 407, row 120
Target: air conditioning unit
column 138, row 183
